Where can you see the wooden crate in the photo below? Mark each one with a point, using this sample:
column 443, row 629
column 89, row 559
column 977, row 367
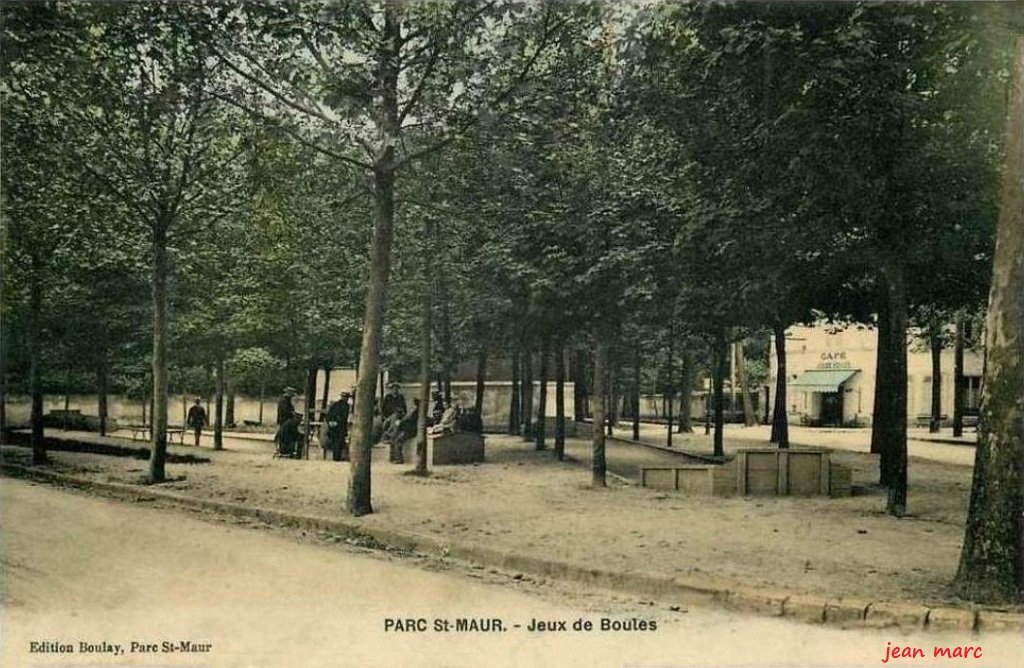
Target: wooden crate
column 790, row 472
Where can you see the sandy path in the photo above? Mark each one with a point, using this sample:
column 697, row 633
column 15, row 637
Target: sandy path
column 84, row 569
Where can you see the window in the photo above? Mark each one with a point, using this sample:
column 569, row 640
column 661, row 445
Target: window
column 972, row 393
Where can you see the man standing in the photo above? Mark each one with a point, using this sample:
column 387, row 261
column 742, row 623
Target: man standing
column 337, row 428
column 285, row 407
column 197, row 419
column 287, row 424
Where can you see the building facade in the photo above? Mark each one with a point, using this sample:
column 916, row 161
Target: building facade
column 831, row 376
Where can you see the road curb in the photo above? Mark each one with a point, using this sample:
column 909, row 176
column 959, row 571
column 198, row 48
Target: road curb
column 839, row 612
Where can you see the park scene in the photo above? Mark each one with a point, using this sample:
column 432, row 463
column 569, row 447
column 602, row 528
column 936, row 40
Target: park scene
column 555, row 332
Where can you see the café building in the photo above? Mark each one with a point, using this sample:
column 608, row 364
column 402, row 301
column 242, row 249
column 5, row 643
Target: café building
column 831, row 376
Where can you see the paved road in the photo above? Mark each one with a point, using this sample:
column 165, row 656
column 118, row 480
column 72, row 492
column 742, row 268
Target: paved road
column 83, row 569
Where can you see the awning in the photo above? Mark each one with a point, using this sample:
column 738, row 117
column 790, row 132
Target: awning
column 822, row 380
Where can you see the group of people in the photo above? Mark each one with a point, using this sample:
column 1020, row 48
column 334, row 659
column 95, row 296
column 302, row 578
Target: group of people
column 288, row 420
column 397, row 423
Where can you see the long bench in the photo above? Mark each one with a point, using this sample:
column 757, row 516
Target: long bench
column 145, row 433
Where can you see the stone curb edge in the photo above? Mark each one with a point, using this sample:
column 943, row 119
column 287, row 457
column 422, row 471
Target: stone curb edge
column 840, row 612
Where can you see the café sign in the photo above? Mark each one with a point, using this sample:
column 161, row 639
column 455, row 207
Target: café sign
column 834, row 360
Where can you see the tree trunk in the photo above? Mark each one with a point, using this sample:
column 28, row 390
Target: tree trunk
column 992, row 564
column 67, row 400
column 34, row 356
column 542, row 403
column 686, row 382
column 579, row 387
column 218, row 406
column 599, row 464
column 309, row 408
column 636, row 392
column 229, row 402
column 614, row 390
column 446, row 336
column 560, row 403
column 325, row 399
column 158, row 444
column 358, row 497
column 513, row 405
column 893, row 460
column 719, row 364
column 749, row 416
column 881, row 414
column 936, row 349
column 101, row 391
column 426, row 330
column 527, row 402
column 263, row 394
column 959, row 388
column 3, row 391
column 780, row 418
column 669, row 421
column 481, row 377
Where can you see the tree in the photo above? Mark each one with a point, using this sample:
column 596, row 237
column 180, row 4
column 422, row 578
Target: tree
column 144, row 127
column 381, row 87
column 991, row 558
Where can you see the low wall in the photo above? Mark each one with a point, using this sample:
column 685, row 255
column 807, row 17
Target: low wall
column 759, row 471
column 462, row 447
column 714, row 480
column 128, row 410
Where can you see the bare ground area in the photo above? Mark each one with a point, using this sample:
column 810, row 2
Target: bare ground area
column 522, row 500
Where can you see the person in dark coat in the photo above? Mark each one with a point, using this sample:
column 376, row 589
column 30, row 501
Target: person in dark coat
column 197, row 419
column 285, row 407
column 438, row 410
column 393, row 411
column 337, row 428
column 287, row 424
column 394, row 403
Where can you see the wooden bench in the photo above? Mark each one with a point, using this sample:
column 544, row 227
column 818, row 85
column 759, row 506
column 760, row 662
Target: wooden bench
column 145, row 433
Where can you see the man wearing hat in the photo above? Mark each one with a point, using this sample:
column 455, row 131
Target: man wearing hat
column 285, row 407
column 394, row 403
column 337, row 428
column 287, row 423
column 197, row 418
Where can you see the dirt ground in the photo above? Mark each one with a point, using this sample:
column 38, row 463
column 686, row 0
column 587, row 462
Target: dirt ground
column 522, row 500
column 81, row 568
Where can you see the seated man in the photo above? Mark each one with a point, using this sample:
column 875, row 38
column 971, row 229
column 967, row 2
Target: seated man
column 288, row 437
column 393, row 437
column 438, row 409
column 407, row 427
column 470, row 421
column 449, row 421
